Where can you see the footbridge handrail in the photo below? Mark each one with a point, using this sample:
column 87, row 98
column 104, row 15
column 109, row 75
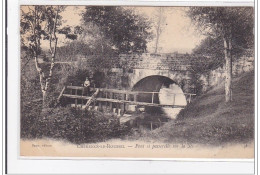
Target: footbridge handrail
column 125, row 91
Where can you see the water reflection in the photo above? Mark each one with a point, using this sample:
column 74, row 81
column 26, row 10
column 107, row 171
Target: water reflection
column 169, row 93
column 172, row 95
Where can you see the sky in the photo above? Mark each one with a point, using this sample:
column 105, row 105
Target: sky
column 178, row 34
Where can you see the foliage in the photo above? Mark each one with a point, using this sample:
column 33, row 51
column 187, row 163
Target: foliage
column 208, row 120
column 78, row 77
column 30, row 113
column 96, row 43
column 126, row 31
column 42, row 19
column 29, row 82
column 70, row 51
column 73, row 125
column 40, row 23
column 74, row 49
column 212, row 49
column 208, row 55
column 234, row 22
column 233, row 25
column 218, row 23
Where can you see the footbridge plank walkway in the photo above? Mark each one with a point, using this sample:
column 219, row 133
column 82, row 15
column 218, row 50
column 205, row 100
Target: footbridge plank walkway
column 115, row 98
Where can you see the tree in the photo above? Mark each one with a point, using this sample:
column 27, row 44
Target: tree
column 211, row 49
column 126, row 31
column 40, row 23
column 160, row 20
column 234, row 25
column 159, row 17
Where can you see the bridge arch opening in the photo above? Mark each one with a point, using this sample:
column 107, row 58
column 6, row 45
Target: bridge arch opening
column 169, row 92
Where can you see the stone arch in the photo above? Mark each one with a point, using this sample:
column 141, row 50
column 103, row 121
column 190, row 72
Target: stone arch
column 180, row 78
column 166, row 88
column 153, row 83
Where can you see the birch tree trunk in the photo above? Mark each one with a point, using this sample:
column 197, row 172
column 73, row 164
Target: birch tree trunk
column 41, row 77
column 228, row 59
column 45, row 79
column 53, row 55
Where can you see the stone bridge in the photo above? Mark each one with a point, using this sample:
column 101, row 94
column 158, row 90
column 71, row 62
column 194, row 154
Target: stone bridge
column 169, row 76
column 149, row 71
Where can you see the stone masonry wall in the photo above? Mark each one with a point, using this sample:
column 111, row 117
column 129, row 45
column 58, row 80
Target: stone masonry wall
column 217, row 76
column 155, row 61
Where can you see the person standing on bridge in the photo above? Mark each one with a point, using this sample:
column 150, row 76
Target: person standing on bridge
column 87, row 86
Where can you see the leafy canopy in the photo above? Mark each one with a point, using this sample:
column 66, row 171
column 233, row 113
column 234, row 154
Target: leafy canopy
column 38, row 23
column 232, row 23
column 235, row 23
column 126, row 31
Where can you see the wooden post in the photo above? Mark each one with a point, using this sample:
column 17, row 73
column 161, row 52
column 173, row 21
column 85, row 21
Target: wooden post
column 119, row 112
column 160, row 122
column 100, row 103
column 110, row 103
column 82, row 93
column 61, row 93
column 94, row 103
column 76, row 100
column 114, row 110
column 106, row 97
column 173, row 99
column 126, row 99
column 152, row 96
column 135, row 97
column 123, row 103
column 92, row 98
column 117, row 104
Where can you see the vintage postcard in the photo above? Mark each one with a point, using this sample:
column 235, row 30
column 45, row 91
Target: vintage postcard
column 137, row 82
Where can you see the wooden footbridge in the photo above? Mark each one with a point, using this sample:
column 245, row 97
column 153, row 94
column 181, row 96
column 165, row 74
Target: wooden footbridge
column 117, row 101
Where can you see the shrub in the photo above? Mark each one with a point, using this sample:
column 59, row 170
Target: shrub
column 30, row 113
column 73, row 125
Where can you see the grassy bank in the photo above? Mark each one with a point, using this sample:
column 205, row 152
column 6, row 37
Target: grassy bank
column 209, row 120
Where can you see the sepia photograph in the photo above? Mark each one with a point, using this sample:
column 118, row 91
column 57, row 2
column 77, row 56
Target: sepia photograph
column 137, row 81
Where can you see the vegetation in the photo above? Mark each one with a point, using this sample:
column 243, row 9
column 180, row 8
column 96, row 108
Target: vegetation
column 70, row 124
column 40, row 23
column 122, row 28
column 62, row 122
column 208, row 120
column 225, row 23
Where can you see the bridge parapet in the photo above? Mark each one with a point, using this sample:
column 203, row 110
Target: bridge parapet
column 156, row 61
column 174, row 62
